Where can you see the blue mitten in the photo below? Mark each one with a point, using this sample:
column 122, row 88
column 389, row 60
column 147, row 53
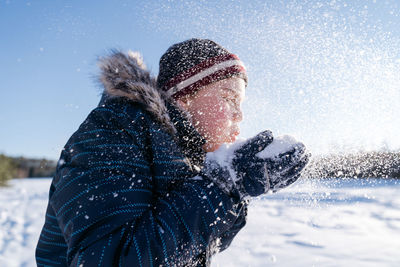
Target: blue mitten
column 262, row 165
column 258, row 165
column 251, row 172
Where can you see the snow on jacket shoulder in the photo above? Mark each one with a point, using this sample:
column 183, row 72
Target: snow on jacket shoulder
column 126, row 192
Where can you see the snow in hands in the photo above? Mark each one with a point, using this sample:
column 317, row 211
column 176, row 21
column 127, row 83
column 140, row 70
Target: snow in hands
column 257, row 165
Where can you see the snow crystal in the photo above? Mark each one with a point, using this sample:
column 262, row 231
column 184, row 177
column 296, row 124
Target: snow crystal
column 196, row 178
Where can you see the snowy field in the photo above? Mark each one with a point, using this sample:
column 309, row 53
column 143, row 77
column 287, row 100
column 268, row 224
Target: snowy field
column 313, row 223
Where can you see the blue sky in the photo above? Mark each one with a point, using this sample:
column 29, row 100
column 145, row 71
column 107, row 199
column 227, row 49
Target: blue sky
column 323, row 71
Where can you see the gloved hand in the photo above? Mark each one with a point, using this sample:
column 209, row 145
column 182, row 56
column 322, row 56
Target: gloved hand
column 257, row 173
column 257, row 166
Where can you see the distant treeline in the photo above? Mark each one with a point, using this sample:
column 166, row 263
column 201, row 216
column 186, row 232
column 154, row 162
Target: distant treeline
column 21, row 167
column 356, row 165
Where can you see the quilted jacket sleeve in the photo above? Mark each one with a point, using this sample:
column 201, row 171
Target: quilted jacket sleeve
column 108, row 211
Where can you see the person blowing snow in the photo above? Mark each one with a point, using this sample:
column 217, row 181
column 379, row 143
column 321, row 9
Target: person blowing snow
column 135, row 186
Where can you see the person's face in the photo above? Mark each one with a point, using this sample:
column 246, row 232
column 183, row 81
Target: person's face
column 215, row 111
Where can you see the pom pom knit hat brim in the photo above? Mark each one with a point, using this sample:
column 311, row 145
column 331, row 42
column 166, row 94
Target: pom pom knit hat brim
column 194, row 64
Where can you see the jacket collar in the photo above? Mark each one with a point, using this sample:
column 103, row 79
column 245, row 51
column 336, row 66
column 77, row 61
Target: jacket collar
column 189, row 139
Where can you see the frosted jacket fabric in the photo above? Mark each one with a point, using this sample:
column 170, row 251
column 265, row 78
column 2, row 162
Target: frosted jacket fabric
column 123, row 195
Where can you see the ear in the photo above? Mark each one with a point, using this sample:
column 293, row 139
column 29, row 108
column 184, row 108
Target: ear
column 183, row 102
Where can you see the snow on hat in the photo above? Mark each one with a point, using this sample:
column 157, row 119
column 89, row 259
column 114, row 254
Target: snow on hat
column 187, row 66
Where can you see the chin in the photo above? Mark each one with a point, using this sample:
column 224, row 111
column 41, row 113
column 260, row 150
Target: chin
column 231, row 139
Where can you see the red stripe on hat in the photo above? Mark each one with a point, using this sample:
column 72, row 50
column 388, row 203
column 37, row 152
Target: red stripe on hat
column 197, row 69
column 216, row 76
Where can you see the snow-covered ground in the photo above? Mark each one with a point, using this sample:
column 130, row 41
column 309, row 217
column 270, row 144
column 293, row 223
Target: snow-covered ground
column 313, row 223
column 22, row 209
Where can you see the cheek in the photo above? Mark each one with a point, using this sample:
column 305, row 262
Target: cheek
column 213, row 120
column 221, row 117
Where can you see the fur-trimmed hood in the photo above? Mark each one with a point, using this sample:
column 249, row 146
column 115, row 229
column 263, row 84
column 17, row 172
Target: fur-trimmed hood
column 125, row 75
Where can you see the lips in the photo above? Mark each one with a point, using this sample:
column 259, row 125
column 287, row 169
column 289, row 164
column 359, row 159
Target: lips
column 235, row 130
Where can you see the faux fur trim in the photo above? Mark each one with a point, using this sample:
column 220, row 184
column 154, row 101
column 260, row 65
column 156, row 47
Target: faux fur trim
column 125, row 75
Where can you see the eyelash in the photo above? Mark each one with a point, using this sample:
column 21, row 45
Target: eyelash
column 231, row 100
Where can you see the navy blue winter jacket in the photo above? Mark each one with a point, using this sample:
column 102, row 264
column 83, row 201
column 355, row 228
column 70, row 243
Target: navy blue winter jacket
column 127, row 190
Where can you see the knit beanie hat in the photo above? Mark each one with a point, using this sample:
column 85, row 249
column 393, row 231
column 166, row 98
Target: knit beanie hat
column 187, row 66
